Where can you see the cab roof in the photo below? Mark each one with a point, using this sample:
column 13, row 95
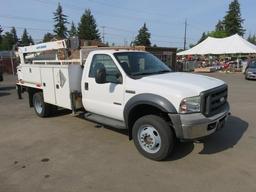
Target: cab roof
column 112, row 51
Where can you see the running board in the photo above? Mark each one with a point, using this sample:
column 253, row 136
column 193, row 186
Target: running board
column 104, row 120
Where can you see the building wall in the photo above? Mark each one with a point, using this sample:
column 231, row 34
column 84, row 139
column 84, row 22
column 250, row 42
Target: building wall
column 7, row 59
column 166, row 54
column 6, row 65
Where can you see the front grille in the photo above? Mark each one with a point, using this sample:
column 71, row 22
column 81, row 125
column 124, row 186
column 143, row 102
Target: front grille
column 214, row 100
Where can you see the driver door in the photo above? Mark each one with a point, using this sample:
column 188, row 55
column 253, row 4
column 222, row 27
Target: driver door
column 105, row 99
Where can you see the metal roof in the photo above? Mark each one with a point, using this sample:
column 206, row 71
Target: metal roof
column 6, row 54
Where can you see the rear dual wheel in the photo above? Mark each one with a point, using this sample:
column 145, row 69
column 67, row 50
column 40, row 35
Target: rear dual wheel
column 41, row 108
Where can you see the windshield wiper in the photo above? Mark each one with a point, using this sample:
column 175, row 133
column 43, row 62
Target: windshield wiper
column 151, row 73
column 163, row 71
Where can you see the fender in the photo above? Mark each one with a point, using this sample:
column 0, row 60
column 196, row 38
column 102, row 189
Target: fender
column 149, row 99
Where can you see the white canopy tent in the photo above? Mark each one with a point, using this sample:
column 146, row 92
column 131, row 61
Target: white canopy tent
column 234, row 44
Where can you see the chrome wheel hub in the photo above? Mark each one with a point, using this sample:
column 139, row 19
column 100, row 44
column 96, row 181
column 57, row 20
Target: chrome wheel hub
column 38, row 105
column 149, row 139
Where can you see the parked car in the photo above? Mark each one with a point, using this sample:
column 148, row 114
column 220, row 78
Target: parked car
column 250, row 72
column 1, row 74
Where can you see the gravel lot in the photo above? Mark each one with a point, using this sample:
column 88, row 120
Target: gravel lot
column 66, row 154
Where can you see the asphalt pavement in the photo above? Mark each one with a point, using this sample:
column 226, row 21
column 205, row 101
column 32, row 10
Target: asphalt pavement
column 69, row 154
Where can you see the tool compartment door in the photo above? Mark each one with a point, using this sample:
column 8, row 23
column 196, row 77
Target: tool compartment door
column 48, row 85
column 31, row 74
column 62, row 88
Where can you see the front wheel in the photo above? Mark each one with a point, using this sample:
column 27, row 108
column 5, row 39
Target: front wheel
column 153, row 137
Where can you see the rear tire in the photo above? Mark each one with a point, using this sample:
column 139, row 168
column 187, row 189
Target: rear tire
column 41, row 108
column 153, row 137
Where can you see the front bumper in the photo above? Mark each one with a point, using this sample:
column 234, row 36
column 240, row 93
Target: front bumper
column 250, row 76
column 196, row 125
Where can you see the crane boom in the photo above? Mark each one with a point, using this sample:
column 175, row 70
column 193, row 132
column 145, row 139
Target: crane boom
column 54, row 45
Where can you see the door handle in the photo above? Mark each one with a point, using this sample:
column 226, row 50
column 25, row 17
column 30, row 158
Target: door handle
column 57, row 86
column 86, row 86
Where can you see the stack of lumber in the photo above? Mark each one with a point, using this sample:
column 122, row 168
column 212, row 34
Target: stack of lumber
column 204, row 70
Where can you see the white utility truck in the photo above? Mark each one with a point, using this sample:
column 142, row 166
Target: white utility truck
column 125, row 89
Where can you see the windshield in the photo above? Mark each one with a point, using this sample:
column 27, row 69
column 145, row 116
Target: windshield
column 252, row 65
column 141, row 63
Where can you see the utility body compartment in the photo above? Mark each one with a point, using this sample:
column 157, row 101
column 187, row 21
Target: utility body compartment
column 58, row 82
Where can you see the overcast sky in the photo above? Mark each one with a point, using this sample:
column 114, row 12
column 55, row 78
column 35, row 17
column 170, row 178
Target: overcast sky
column 122, row 19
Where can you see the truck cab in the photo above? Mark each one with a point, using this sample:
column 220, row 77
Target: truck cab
column 134, row 90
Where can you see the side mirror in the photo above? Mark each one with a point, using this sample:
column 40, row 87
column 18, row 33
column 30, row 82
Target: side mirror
column 119, row 78
column 100, row 77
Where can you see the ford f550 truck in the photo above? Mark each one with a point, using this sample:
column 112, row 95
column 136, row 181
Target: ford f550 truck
column 126, row 89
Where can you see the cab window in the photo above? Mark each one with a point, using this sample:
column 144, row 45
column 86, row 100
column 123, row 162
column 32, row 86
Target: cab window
column 113, row 75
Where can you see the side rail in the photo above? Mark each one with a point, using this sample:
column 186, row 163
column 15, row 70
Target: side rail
column 57, row 62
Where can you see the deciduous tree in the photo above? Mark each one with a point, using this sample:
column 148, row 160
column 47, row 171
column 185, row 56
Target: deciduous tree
column 7, row 41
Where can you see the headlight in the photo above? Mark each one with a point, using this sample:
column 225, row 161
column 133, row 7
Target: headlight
column 190, row 105
column 249, row 72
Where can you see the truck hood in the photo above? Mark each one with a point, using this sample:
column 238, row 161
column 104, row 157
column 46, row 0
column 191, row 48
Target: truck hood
column 185, row 83
column 173, row 86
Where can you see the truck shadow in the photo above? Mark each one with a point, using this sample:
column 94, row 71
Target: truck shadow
column 60, row 112
column 7, row 88
column 226, row 138
column 181, row 150
column 4, row 94
column 3, row 90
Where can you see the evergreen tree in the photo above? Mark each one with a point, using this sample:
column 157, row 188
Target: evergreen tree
column 73, row 31
column 1, row 30
column 203, row 37
column 252, row 39
column 220, row 26
column 233, row 20
column 14, row 34
column 48, row 37
column 249, row 38
column 143, row 37
column 219, row 31
column 60, row 21
column 31, row 41
column 25, row 41
column 87, row 28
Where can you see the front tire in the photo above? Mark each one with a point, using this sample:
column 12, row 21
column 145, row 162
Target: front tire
column 153, row 137
column 41, row 108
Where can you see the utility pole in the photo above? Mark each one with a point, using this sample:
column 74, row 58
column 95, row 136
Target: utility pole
column 185, row 35
column 125, row 42
column 103, row 33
